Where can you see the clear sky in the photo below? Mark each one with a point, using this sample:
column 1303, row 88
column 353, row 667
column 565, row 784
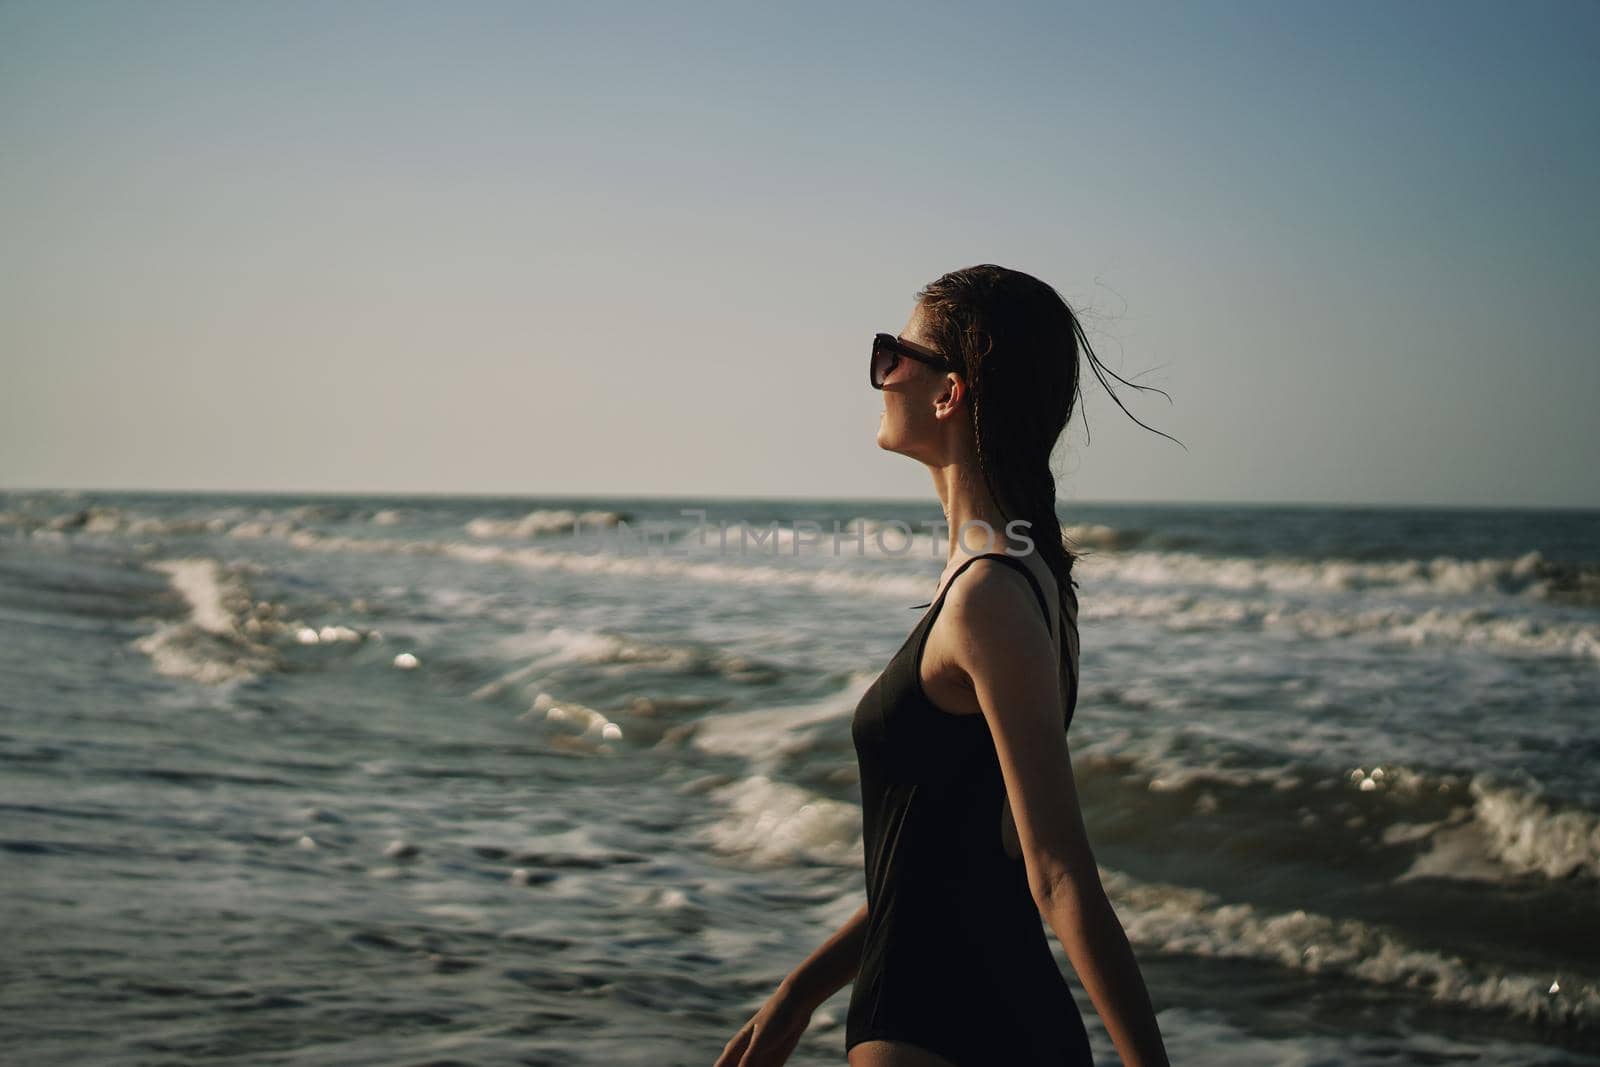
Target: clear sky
column 607, row 248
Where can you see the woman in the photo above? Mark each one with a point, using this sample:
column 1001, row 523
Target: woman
column 971, row 817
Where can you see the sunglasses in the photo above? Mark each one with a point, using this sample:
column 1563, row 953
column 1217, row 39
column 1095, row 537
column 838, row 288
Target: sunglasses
column 887, row 350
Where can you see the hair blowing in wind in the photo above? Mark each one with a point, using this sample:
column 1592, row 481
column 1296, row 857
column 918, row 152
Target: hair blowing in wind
column 1018, row 342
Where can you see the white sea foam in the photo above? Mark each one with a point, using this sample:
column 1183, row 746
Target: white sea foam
column 765, row 818
column 202, row 583
column 773, row 822
column 1456, row 848
column 250, row 529
column 1484, row 627
column 227, row 636
column 768, row 736
column 1502, row 832
column 207, row 646
column 1528, row 574
column 1531, row 836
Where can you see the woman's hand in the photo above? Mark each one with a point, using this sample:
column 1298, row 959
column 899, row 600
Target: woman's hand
column 770, row 1036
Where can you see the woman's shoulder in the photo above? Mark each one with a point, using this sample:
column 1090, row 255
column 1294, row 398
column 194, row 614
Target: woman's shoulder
column 991, row 591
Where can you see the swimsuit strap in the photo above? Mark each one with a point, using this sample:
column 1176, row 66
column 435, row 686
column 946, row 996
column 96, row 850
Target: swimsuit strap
column 1044, row 605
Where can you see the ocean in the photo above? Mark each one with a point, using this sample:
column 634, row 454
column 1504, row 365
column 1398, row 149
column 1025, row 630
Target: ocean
column 446, row 780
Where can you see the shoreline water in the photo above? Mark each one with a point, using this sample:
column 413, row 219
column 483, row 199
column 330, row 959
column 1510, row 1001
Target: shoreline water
column 612, row 799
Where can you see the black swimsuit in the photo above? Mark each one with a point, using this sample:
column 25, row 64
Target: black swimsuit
column 955, row 959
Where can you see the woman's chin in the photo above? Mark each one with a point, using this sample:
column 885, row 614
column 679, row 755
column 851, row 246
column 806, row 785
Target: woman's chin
column 888, row 440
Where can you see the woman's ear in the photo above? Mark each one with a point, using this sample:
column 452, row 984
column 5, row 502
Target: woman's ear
column 950, row 397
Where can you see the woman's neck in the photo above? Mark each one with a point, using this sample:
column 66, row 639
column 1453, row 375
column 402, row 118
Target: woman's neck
column 966, row 500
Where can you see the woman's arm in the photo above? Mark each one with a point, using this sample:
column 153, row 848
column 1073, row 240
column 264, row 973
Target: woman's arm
column 831, row 967
column 1012, row 667
column 1098, row 947
column 777, row 1026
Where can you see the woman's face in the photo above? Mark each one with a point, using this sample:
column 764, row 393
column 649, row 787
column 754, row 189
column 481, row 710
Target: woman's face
column 908, row 423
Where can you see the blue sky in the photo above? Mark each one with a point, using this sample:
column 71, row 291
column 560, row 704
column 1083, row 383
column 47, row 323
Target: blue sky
column 530, row 248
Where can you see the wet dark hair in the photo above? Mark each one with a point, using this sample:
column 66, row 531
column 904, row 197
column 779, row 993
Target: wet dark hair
column 1017, row 343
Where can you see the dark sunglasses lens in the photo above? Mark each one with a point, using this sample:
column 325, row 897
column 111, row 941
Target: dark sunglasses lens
column 882, row 366
column 883, row 361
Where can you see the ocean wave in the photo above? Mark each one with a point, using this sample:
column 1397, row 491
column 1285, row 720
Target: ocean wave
column 1178, row 610
column 572, row 726
column 227, row 635
column 859, row 536
column 1485, row 627
column 1468, row 826
column 592, row 726
column 108, row 520
column 1482, row 626
column 1096, row 535
column 600, row 563
column 774, row 822
column 1528, row 575
column 1186, row 609
column 1166, row 574
column 545, row 649
column 1531, row 835
column 1177, row 919
column 541, row 522
column 1207, row 1036
column 1111, row 556
column 768, row 737
column 209, row 645
column 771, row 823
